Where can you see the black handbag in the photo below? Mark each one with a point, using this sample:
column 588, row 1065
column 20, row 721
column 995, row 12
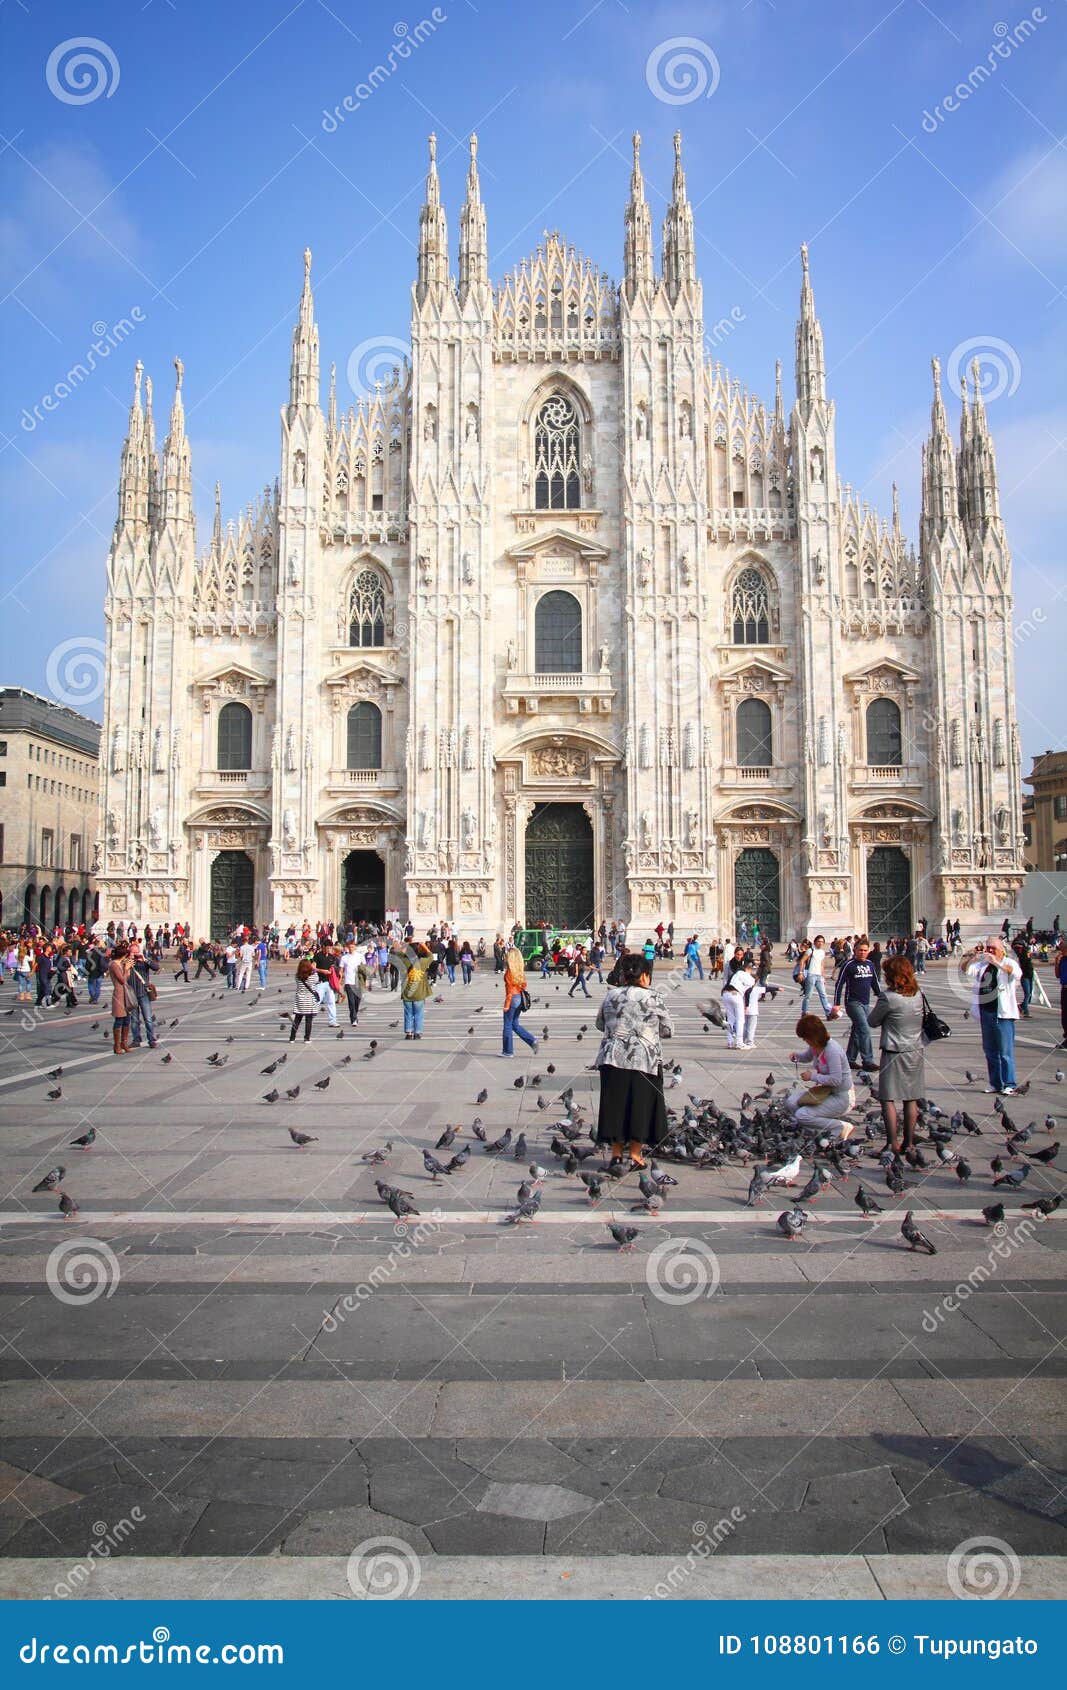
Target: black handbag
column 933, row 1026
column 524, row 1000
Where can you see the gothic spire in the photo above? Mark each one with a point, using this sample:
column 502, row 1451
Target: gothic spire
column 940, row 495
column 304, row 366
column 679, row 250
column 433, row 233
column 811, row 363
column 978, row 461
column 473, row 243
column 134, row 475
column 779, row 408
column 150, row 451
column 177, row 488
column 638, row 260
column 332, row 413
column 216, row 526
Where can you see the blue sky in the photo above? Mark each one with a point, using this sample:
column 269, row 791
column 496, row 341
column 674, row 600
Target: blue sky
column 181, row 197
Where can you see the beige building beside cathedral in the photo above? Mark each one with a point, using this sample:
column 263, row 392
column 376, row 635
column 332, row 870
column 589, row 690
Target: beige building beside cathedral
column 561, row 623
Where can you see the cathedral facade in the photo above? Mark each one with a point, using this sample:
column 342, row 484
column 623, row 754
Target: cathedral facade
column 560, row 623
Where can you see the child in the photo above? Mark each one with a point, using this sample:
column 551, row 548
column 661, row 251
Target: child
column 733, row 1002
column 752, row 1003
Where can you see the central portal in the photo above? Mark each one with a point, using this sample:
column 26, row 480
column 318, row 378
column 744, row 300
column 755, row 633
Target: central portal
column 364, row 887
column 559, row 867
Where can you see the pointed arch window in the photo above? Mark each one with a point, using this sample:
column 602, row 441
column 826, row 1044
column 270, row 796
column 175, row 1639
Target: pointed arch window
column 557, row 456
column 750, row 611
column 558, row 635
column 235, row 737
column 885, row 745
column 366, row 610
column 364, row 747
column 754, row 734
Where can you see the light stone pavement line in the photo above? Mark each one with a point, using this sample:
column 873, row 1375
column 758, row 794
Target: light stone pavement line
column 496, row 1218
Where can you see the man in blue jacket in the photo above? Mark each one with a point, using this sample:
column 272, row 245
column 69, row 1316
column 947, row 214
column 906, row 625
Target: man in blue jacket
column 856, row 983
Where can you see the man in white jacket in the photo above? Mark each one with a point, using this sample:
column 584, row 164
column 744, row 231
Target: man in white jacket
column 995, row 973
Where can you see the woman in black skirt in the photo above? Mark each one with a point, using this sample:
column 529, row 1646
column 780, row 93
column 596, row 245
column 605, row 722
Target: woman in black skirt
column 633, row 1020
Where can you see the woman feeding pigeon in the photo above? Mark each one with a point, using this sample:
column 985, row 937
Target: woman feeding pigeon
column 634, row 1021
column 827, row 1095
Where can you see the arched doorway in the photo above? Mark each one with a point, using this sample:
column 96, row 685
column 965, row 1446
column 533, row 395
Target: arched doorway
column 559, row 867
column 29, row 904
column 46, row 907
column 363, row 883
column 758, row 891
column 72, row 908
column 888, row 892
column 232, row 893
column 86, row 908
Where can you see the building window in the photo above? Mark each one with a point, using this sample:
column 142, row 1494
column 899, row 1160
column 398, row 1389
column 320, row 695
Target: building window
column 48, row 848
column 366, row 609
column 3, row 747
column 884, row 744
column 3, row 777
column 557, row 456
column 754, row 741
column 1028, row 834
column 558, row 635
column 364, row 737
column 750, row 609
column 1, row 842
column 235, row 737
column 1059, row 807
column 75, row 861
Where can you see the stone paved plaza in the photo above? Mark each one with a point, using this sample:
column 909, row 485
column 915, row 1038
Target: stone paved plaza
column 253, row 1372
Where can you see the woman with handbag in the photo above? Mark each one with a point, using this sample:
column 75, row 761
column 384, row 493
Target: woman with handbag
column 516, row 999
column 902, row 1072
column 118, row 973
column 306, row 1000
column 634, row 1022
column 827, row 1095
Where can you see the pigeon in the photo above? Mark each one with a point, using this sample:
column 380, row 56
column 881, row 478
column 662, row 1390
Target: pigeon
column 302, row 1139
column 624, row 1236
column 168, row 1058
column 482, row 1096
column 52, row 1178
column 433, row 1166
column 1058, row 1076
column 996, row 1166
column 401, row 1205
column 1024, row 1089
column 791, row 1222
column 518, row 1082
column 86, row 1141
column 55, row 1094
column 524, row 1211
column 479, row 1132
column 345, row 1060
column 784, row 1175
column 1045, row 1156
column 376, row 1156
column 499, row 1144
column 520, row 1151
column 1044, row 1206
column 271, row 1096
column 292, row 1093
column 916, row 1240
column 866, row 1203
column 594, row 1186
column 537, row 1173
column 968, row 1076
column 447, row 1139
column 650, row 1206
column 812, row 1190
column 460, row 1160
column 214, row 1054
column 1050, row 1123
column 993, row 1214
column 963, row 1171
column 55, row 1073
column 526, row 1190
column 67, row 1206
column 322, row 1085
column 1013, row 1179
column 757, row 1188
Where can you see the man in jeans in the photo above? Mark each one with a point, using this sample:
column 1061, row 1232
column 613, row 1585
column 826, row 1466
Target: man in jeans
column 813, row 978
column 692, row 959
column 995, row 972
column 856, row 983
column 138, row 997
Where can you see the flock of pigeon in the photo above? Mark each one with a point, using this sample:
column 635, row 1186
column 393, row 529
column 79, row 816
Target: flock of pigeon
column 761, row 1136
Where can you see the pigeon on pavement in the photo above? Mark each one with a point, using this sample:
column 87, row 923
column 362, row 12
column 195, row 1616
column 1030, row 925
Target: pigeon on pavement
column 916, row 1240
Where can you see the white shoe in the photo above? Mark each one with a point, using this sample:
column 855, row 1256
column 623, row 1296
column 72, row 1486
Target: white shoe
column 1008, row 1091
column 988, row 1089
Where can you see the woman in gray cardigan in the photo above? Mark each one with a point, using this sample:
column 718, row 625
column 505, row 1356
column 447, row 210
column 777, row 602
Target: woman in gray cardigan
column 902, row 1073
